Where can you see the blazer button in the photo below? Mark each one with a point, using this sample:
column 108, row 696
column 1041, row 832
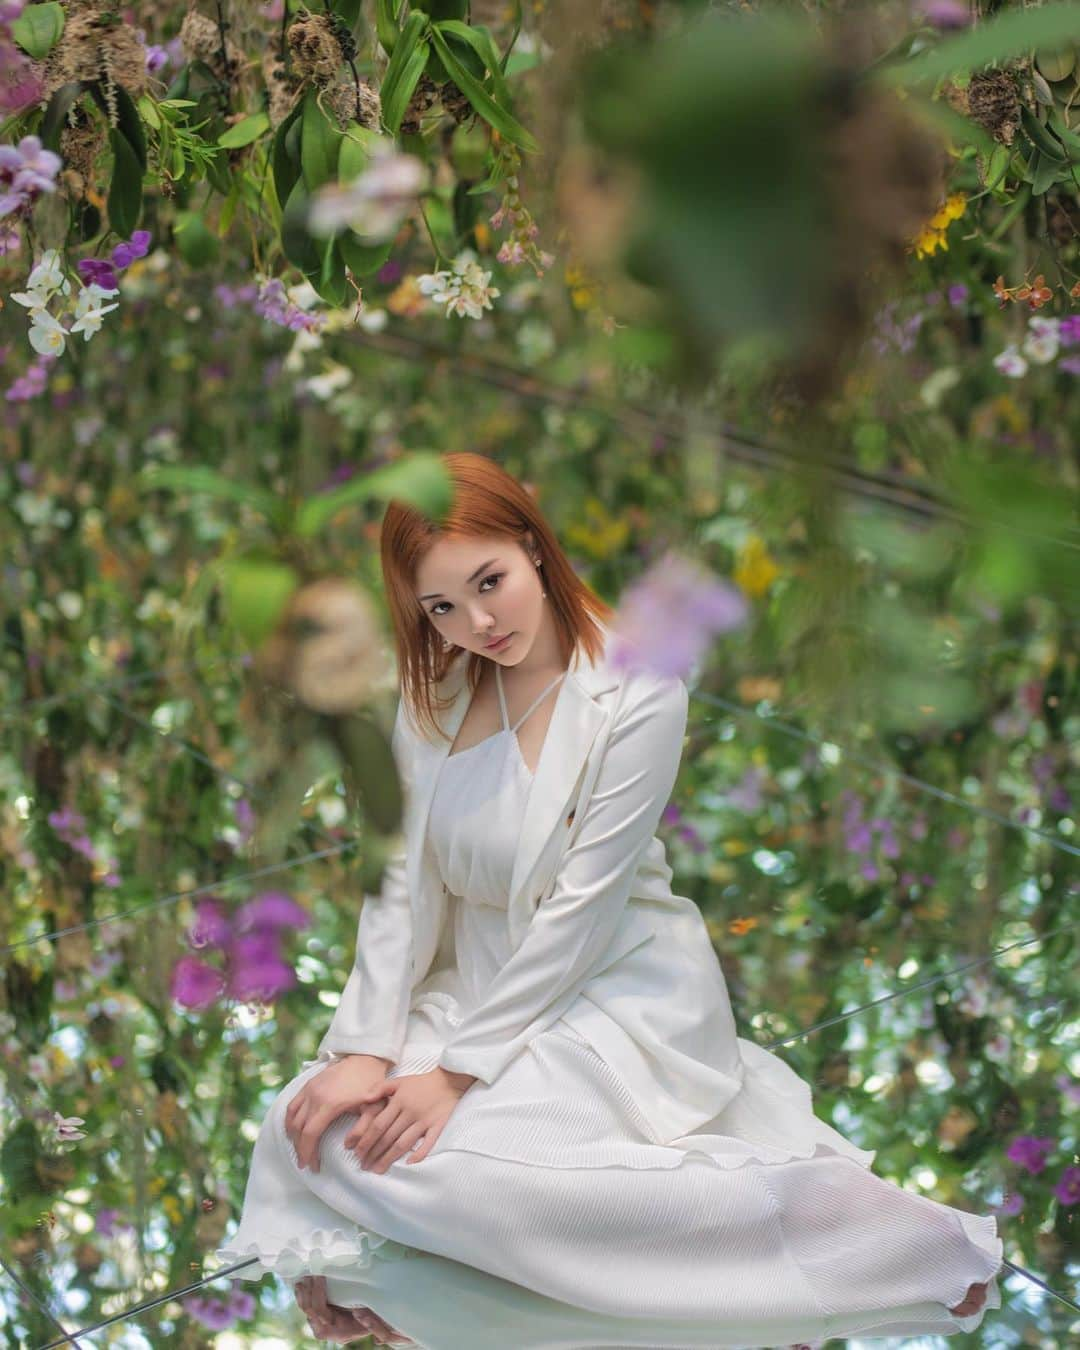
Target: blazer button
column 570, row 817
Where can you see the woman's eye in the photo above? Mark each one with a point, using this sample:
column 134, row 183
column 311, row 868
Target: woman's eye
column 494, row 576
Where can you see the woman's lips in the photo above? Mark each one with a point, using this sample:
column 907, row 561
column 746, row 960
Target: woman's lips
column 499, row 642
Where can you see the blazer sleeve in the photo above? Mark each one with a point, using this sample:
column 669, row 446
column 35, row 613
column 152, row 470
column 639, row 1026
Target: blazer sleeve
column 573, row 927
column 373, row 1011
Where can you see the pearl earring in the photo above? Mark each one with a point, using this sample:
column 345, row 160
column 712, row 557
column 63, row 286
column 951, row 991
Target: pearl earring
column 543, row 594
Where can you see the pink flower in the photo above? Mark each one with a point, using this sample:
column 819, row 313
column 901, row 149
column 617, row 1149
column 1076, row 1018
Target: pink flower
column 1067, row 1189
column 271, row 909
column 667, row 619
column 195, row 984
column 257, row 970
column 1029, row 1152
column 67, row 1127
column 211, row 927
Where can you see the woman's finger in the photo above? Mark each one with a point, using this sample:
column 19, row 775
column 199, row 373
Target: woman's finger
column 294, row 1123
column 397, row 1141
column 318, row 1297
column 364, row 1118
column 373, row 1132
column 426, row 1144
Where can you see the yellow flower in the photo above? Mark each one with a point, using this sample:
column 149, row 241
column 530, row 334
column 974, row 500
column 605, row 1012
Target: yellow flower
column 755, row 571
column 583, row 291
column 603, row 536
column 1006, row 409
column 956, row 205
column 929, row 241
column 171, row 1206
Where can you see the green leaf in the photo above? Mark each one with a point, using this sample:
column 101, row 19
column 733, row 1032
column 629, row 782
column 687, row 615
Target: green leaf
column 52, row 124
column 419, row 479
column 518, row 62
column 197, row 243
column 330, row 280
column 296, row 242
column 402, row 74
column 320, row 143
column 128, row 121
column 948, row 122
column 1045, row 174
column 197, row 478
column 362, row 258
column 371, row 775
column 243, row 133
column 1009, row 33
column 148, row 111
column 386, row 25
column 357, row 146
column 483, row 44
column 125, row 190
column 38, row 29
column 440, row 220
column 256, row 591
column 179, row 87
column 506, row 125
column 285, row 154
column 348, row 11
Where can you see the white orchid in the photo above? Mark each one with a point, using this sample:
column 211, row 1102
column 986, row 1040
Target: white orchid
column 1010, row 362
column 88, row 321
column 47, row 334
column 33, row 300
column 1040, row 348
column 464, row 290
column 48, row 275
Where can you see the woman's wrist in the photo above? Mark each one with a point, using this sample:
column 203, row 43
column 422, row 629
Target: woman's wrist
column 461, row 1082
column 375, row 1059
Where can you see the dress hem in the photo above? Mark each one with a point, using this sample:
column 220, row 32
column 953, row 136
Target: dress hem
column 325, row 1251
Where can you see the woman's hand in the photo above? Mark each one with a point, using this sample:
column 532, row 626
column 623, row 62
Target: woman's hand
column 350, row 1084
column 330, row 1323
column 419, row 1104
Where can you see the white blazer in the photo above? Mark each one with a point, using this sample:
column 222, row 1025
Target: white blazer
column 598, row 938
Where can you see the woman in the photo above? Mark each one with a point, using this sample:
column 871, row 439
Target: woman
column 533, row 1069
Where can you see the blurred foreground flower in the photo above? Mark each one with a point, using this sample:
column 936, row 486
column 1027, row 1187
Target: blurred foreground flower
column 374, row 203
column 26, row 171
column 326, row 650
column 666, row 620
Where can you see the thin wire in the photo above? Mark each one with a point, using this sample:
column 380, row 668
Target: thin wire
column 894, row 489
column 66, row 1337
column 923, row 984
column 140, row 1308
column 43, row 702
column 877, row 767
column 220, row 884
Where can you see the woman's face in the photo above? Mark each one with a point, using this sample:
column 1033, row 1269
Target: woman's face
column 480, row 588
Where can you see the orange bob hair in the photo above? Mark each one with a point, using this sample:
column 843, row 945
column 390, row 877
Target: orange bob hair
column 486, row 501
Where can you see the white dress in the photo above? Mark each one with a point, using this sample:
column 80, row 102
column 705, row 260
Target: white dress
column 766, row 1227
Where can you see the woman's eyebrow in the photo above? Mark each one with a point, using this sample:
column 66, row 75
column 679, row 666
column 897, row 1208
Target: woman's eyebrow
column 438, row 594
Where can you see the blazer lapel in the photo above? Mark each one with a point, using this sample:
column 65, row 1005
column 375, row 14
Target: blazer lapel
column 575, row 723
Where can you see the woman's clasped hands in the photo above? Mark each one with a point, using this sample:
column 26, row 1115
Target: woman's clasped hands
column 417, row 1108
